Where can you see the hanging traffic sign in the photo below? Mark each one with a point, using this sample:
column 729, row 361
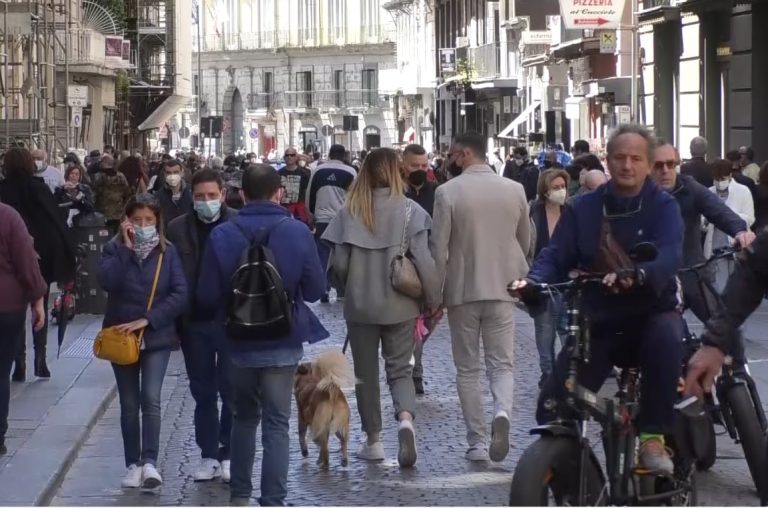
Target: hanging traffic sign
column 76, row 120
column 253, row 133
column 592, row 14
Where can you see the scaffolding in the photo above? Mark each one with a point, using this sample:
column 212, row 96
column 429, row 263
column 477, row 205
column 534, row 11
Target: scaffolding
column 34, row 109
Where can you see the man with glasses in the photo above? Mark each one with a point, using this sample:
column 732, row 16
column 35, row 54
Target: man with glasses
column 295, row 182
column 695, row 201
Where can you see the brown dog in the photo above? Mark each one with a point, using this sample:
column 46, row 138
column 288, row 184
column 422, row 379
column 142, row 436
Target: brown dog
column 322, row 405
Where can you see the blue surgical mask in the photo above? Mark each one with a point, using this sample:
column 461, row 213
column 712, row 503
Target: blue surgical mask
column 145, row 233
column 208, row 211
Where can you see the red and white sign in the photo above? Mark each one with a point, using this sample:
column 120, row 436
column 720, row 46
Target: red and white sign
column 592, row 14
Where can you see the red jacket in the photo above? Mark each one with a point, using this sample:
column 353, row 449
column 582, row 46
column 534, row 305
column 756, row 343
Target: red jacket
column 20, row 275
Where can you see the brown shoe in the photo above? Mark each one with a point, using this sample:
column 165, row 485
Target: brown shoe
column 654, row 457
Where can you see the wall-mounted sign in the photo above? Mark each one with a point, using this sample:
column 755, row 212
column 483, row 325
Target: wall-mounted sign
column 448, row 60
column 537, row 37
column 592, row 14
column 607, row 43
column 77, row 96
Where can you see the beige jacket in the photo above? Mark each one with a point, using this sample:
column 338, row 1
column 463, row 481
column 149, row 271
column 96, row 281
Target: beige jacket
column 480, row 235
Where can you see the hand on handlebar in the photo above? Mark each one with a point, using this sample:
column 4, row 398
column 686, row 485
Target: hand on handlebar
column 612, row 279
column 702, row 369
column 744, row 239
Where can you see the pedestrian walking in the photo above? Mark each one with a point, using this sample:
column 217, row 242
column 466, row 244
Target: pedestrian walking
column 377, row 224
column 263, row 369
column 480, row 237
column 328, row 187
column 761, row 203
column 128, row 272
column 749, row 167
column 545, row 215
column 203, row 339
column 522, row 170
column 33, row 199
column 75, row 199
column 697, row 166
column 296, row 182
column 111, row 191
column 52, row 177
column 135, row 172
column 23, row 287
column 174, row 195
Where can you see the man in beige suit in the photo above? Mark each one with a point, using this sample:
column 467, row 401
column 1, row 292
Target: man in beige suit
column 480, row 234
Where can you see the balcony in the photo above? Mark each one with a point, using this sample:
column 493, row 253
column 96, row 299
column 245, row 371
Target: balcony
column 300, row 38
column 86, row 48
column 330, row 100
column 485, row 62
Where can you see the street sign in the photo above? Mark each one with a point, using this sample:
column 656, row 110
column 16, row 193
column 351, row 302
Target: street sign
column 592, row 14
column 623, row 114
column 448, row 60
column 327, row 131
column 184, row 132
column 76, row 120
column 253, row 133
column 77, row 96
column 537, row 37
column 608, row 43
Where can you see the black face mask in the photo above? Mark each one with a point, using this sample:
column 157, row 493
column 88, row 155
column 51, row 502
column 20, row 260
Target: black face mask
column 418, row 177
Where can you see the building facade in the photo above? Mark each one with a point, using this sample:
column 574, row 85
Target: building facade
column 303, row 73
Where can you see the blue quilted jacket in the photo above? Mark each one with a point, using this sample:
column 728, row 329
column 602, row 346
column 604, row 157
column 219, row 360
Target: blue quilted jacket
column 129, row 283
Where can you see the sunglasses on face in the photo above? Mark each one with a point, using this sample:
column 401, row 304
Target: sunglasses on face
column 291, row 155
column 670, row 164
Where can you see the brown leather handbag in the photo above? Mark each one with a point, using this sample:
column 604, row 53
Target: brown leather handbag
column 611, row 256
column 404, row 276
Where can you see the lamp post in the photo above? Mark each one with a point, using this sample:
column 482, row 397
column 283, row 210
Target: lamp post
column 634, row 56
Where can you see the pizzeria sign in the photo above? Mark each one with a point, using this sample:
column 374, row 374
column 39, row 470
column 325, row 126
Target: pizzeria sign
column 592, row 14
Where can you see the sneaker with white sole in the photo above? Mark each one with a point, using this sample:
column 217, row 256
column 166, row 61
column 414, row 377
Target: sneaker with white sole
column 150, row 478
column 477, row 453
column 226, row 471
column 372, row 452
column 406, row 438
column 207, row 470
column 499, row 437
column 132, row 478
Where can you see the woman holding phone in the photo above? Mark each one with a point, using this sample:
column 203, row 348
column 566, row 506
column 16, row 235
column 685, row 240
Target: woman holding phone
column 127, row 272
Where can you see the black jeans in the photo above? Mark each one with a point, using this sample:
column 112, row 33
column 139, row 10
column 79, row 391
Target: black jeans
column 11, row 328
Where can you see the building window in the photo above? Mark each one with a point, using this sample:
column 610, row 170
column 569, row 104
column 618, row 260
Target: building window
column 338, row 21
column 370, row 87
column 268, row 91
column 338, row 85
column 304, row 84
column 370, row 15
column 308, row 22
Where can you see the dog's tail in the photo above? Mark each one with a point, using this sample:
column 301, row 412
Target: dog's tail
column 333, row 369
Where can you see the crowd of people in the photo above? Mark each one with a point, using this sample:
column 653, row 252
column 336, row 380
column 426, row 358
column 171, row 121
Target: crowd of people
column 472, row 225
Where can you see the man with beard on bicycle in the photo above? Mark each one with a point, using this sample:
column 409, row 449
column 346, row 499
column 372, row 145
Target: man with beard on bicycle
column 696, row 201
column 634, row 321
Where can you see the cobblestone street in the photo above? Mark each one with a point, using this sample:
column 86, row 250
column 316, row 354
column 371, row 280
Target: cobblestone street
column 441, row 477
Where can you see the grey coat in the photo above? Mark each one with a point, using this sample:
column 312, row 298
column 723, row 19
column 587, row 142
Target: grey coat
column 361, row 261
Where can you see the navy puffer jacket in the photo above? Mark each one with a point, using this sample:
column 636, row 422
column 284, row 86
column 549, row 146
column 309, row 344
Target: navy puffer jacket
column 129, row 283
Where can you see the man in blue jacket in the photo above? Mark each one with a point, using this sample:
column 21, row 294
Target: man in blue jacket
column 637, row 321
column 696, row 201
column 263, row 370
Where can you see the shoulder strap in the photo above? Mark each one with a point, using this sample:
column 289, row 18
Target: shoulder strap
column 154, row 289
column 404, row 241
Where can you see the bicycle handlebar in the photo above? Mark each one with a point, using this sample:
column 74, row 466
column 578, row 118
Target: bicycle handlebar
column 721, row 253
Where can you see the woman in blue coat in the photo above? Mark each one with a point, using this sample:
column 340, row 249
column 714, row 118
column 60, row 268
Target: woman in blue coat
column 126, row 272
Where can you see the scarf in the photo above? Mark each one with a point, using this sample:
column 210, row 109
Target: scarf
column 143, row 249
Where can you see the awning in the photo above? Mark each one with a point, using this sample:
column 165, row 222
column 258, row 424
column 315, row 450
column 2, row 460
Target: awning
column 163, row 112
column 522, row 117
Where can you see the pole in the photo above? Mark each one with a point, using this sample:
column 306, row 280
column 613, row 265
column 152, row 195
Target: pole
column 66, row 75
column 199, row 76
column 634, row 55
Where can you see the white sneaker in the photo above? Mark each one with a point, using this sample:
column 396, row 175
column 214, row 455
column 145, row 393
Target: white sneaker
column 151, row 479
column 226, row 474
column 371, row 452
column 406, row 437
column 477, row 453
column 207, row 470
column 499, row 437
column 132, row 478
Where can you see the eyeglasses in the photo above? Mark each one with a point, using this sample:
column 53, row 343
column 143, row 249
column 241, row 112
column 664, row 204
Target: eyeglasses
column 625, row 214
column 291, row 154
column 670, row 164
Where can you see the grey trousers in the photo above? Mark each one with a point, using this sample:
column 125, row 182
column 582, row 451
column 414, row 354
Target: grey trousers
column 494, row 320
column 397, row 350
column 418, row 368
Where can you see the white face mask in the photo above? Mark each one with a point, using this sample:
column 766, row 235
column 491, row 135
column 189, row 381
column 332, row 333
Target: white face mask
column 722, row 185
column 40, row 165
column 173, row 180
column 558, row 196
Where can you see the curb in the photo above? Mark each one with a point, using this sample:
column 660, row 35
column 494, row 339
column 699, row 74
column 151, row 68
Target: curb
column 46, row 496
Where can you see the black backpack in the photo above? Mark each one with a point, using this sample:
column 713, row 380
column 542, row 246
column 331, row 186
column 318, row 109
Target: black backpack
column 259, row 306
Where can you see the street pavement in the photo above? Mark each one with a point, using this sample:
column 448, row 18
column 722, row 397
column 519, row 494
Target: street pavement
column 441, row 477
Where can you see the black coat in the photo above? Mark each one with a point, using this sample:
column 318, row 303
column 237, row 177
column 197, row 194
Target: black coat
column 34, row 201
column 182, row 233
column 172, row 209
column 698, row 168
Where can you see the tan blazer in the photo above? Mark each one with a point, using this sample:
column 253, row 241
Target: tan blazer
column 480, row 235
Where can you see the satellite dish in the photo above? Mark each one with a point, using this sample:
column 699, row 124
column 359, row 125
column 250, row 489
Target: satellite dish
column 99, row 19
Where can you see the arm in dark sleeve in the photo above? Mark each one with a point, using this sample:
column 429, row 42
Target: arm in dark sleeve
column 165, row 310
column 210, row 284
column 669, row 242
column 24, row 259
column 114, row 259
column 716, row 211
column 508, row 169
column 560, row 255
column 313, row 278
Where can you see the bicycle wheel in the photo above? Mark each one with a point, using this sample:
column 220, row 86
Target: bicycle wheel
column 750, row 432
column 547, row 474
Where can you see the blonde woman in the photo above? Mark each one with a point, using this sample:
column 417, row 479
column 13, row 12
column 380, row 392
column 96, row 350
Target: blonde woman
column 366, row 234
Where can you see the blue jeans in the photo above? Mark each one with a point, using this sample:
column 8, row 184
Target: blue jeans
column 138, row 387
column 11, row 329
column 324, row 250
column 261, row 394
column 548, row 323
column 208, row 366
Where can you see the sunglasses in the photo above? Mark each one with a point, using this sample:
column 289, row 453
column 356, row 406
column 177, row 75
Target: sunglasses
column 670, row 164
column 291, row 154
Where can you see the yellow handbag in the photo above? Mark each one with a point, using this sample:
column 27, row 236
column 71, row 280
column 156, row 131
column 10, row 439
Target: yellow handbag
column 119, row 347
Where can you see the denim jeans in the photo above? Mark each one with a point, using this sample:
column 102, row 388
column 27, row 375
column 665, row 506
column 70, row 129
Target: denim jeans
column 262, row 393
column 138, row 387
column 547, row 324
column 11, row 328
column 208, row 366
column 324, row 250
